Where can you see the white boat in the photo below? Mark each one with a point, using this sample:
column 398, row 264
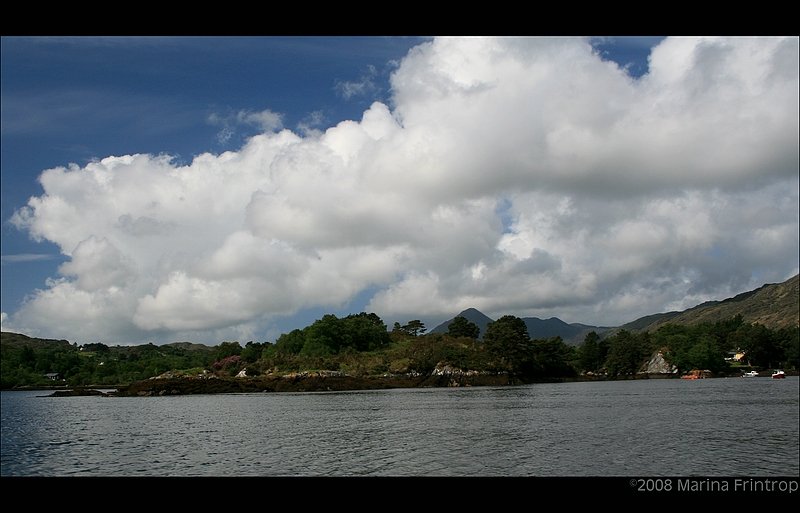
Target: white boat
column 751, row 374
column 778, row 374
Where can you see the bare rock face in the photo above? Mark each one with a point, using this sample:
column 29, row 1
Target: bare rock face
column 445, row 369
column 658, row 365
column 445, row 374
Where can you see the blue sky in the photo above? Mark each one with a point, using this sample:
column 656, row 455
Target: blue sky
column 74, row 99
column 80, row 100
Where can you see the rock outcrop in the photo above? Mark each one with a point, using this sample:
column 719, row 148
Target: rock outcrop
column 78, row 392
column 658, row 365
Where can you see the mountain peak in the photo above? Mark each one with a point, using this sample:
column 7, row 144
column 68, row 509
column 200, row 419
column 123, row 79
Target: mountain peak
column 472, row 315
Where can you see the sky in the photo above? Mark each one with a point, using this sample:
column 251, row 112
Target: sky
column 209, row 189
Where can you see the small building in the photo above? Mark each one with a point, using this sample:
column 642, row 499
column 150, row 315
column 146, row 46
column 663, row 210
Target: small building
column 52, row 376
column 735, row 356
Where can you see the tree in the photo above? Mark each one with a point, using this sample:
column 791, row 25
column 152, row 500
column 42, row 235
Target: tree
column 96, row 347
column 700, row 346
column 789, row 341
column 316, row 346
column 27, row 358
column 704, row 354
column 226, row 349
column 329, row 333
column 589, row 353
column 760, row 345
column 625, row 354
column 252, row 351
column 366, row 331
column 291, row 343
column 414, row 328
column 507, row 339
column 724, row 332
column 551, row 358
column 462, row 327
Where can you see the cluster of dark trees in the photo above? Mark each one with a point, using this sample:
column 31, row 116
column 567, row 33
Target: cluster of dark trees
column 700, row 346
column 332, row 335
column 508, row 342
column 619, row 355
column 463, row 327
column 25, row 361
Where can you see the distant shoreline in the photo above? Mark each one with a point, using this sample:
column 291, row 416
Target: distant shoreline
column 314, row 382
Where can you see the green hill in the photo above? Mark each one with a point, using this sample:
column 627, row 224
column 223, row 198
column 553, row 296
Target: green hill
column 27, row 361
column 18, row 340
column 775, row 305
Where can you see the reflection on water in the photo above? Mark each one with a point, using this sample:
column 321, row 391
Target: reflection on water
column 710, row 427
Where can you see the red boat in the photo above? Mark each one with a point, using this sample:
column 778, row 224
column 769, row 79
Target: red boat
column 778, row 374
column 697, row 374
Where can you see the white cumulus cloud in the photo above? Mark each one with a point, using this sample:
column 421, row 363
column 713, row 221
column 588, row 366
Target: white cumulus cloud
column 364, row 86
column 265, row 121
column 524, row 176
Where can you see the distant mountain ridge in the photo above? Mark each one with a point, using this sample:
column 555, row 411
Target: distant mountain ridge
column 572, row 334
column 537, row 328
column 774, row 305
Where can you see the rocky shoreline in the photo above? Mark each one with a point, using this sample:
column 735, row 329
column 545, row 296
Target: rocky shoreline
column 305, row 382
column 79, row 392
column 319, row 381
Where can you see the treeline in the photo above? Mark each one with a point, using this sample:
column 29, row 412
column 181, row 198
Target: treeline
column 700, row 346
column 26, row 361
column 360, row 345
column 357, row 345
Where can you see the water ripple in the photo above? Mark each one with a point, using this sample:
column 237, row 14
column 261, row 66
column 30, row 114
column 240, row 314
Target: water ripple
column 659, row 427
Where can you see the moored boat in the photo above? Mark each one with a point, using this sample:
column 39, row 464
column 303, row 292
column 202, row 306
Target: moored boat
column 778, row 374
column 751, row 374
column 697, row 374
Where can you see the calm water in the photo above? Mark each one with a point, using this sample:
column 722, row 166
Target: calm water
column 714, row 427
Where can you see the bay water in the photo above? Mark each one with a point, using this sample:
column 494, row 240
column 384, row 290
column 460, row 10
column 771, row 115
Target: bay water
column 712, row 427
